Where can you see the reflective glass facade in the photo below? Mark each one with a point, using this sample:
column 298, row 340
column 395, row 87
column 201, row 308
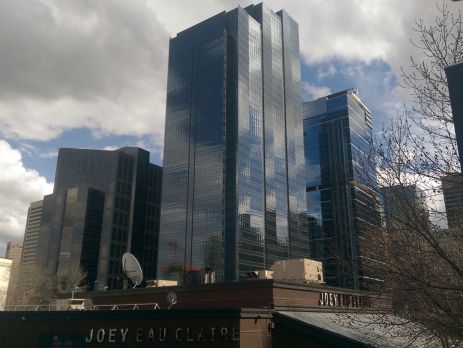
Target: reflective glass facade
column 233, row 186
column 454, row 75
column 80, row 236
column 130, row 213
column 404, row 207
column 452, row 188
column 341, row 190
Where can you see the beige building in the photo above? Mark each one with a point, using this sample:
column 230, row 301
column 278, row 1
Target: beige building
column 26, row 274
column 5, row 269
column 14, row 253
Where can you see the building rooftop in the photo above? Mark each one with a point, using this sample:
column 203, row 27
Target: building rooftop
column 260, row 293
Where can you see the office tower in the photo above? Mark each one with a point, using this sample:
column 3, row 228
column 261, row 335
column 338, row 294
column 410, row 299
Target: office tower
column 13, row 252
column 405, row 208
column 31, row 234
column 452, row 185
column 105, row 200
column 452, row 188
column 80, row 236
column 455, row 83
column 29, row 251
column 233, row 187
column 341, row 198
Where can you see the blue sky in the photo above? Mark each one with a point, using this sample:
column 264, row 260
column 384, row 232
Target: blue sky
column 328, row 77
column 90, row 74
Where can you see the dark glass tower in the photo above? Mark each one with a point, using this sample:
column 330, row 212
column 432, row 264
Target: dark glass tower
column 341, row 197
column 452, row 188
column 80, row 236
column 455, row 82
column 404, row 208
column 122, row 186
column 452, row 185
column 233, row 192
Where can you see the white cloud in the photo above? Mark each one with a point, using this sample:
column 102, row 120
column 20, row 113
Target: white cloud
column 48, row 154
column 349, row 30
column 110, row 148
column 103, row 64
column 153, row 145
column 19, row 187
column 72, row 64
column 329, row 72
column 311, row 92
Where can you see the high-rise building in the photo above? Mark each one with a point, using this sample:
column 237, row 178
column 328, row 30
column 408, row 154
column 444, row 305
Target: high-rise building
column 341, row 184
column 452, row 188
column 452, row 185
column 80, row 236
column 13, row 252
column 233, row 192
column 404, row 208
column 19, row 293
column 104, row 203
column 31, row 234
column 455, row 83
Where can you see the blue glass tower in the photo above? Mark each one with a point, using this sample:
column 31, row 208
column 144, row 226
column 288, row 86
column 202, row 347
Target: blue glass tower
column 233, row 190
column 454, row 75
column 341, row 188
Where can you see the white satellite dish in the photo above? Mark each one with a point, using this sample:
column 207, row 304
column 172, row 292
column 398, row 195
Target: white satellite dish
column 132, row 268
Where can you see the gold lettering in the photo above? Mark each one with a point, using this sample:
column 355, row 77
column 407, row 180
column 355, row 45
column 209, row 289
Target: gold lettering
column 139, row 338
column 177, row 334
column 112, row 336
column 90, row 336
column 162, row 334
column 333, row 300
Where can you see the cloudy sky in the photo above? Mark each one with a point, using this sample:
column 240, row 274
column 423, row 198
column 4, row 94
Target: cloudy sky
column 92, row 74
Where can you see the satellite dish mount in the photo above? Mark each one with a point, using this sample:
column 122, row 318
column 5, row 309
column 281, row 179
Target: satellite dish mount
column 132, row 270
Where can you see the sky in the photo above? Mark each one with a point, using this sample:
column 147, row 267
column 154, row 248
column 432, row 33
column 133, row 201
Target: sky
column 92, row 74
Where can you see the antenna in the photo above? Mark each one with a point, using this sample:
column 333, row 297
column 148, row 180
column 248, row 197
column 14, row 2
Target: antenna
column 132, row 269
column 171, row 299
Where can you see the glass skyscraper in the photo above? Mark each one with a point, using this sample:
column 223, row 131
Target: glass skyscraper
column 80, row 235
column 454, row 75
column 452, row 184
column 233, row 186
column 104, row 203
column 404, row 208
column 452, row 188
column 341, row 197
